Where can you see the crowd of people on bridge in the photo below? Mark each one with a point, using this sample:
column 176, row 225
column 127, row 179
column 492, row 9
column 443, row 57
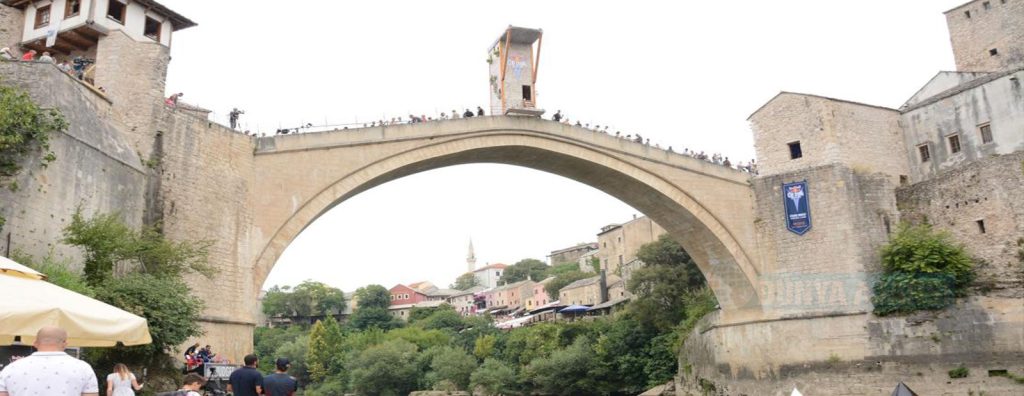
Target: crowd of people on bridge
column 715, row 158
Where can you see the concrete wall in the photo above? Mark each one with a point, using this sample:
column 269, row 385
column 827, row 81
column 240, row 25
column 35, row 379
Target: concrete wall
column 829, row 131
column 990, row 191
column 860, row 354
column 997, row 99
column 1000, row 27
column 96, row 169
column 828, row 268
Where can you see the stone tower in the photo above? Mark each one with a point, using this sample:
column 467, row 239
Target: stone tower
column 470, row 258
column 513, row 72
column 987, row 35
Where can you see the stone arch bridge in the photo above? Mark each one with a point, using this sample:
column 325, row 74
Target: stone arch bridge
column 706, row 207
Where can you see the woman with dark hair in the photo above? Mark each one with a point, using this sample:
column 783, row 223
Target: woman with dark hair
column 122, row 382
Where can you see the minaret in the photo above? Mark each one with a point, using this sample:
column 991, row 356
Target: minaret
column 471, row 258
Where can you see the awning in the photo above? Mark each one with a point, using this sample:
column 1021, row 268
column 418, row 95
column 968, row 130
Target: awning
column 28, row 303
column 609, row 304
column 574, row 309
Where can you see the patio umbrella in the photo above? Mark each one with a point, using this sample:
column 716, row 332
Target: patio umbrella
column 574, row 309
column 28, row 303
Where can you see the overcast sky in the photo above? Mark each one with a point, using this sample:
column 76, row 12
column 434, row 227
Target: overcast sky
column 685, row 74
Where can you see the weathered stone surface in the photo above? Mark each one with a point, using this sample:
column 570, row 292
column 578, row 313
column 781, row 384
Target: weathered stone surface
column 982, row 206
column 991, row 24
column 96, row 168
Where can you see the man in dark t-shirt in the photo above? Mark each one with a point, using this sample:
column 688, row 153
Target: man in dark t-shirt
column 246, row 381
column 280, row 383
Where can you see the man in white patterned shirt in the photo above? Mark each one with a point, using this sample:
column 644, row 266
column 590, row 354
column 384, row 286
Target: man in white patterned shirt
column 49, row 371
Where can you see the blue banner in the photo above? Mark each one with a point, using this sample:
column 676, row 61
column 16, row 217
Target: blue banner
column 798, row 207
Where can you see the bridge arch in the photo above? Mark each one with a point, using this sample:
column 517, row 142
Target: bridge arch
column 715, row 227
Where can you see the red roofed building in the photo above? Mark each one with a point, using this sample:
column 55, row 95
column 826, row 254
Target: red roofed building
column 402, row 294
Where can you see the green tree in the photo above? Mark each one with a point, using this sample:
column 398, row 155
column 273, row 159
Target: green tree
column 324, row 337
column 57, row 273
column 386, row 369
column 563, row 268
column 107, row 241
column 373, row 318
column 453, row 365
column 166, row 303
column 494, row 378
column 151, row 286
column 443, row 318
column 373, row 296
column 296, row 351
column 533, row 268
column 669, row 273
column 565, row 372
column 465, row 282
column 308, row 299
column 483, row 347
column 24, row 128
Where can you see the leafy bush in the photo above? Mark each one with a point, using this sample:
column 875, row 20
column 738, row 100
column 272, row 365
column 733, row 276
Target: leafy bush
column 166, row 303
column 386, row 370
column 920, row 250
column 923, row 270
column 494, row 378
column 902, row 293
column 453, row 365
column 959, row 372
column 564, row 372
column 57, row 273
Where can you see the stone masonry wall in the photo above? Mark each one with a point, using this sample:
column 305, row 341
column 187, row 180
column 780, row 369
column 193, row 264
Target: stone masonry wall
column 985, row 194
column 829, row 131
column 1000, row 27
column 860, row 354
column 133, row 74
column 95, row 170
column 12, row 22
column 826, row 269
column 206, row 172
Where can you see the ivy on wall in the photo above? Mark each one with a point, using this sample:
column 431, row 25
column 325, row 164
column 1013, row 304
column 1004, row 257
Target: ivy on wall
column 24, row 128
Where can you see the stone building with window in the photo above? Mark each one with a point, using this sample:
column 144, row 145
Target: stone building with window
column 618, row 244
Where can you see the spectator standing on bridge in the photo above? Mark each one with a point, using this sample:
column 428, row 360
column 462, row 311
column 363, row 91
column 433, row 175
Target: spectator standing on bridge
column 233, row 117
column 479, row 111
column 46, row 58
column 467, row 114
column 6, row 54
column 172, row 100
column 246, row 381
column 29, row 56
column 280, row 383
column 557, row 117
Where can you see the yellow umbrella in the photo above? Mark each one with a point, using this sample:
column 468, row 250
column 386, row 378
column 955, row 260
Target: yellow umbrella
column 9, row 267
column 28, row 303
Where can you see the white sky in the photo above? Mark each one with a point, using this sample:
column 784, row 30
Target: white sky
column 683, row 74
